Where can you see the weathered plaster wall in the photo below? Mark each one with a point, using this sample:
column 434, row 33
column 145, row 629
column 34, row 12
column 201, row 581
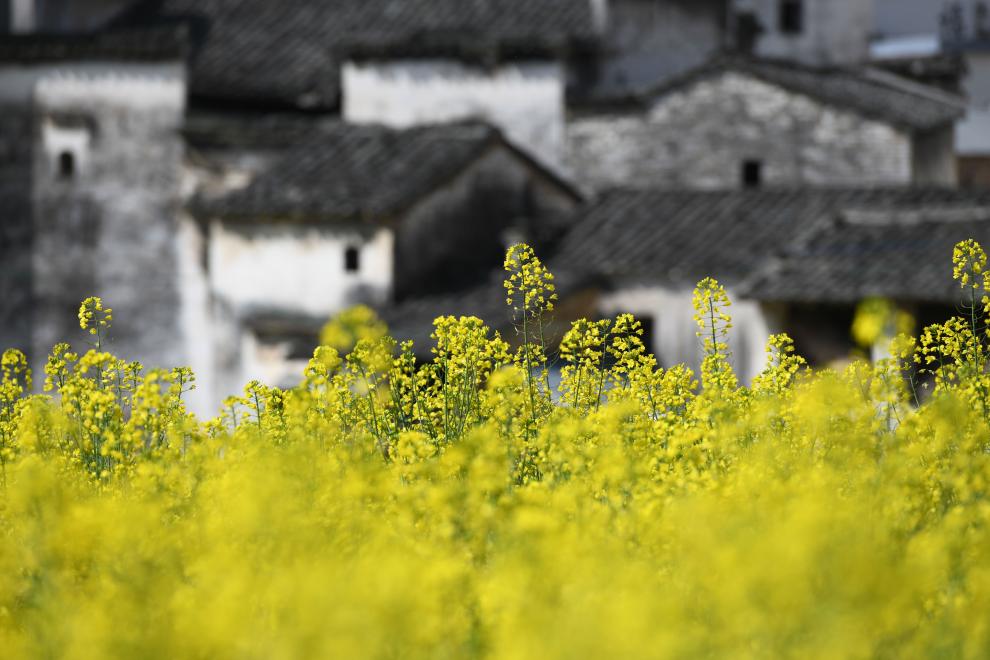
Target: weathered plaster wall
column 297, row 269
column 110, row 227
column 835, row 31
column 973, row 132
column 698, row 137
column 16, row 227
column 458, row 234
column 525, row 99
column 675, row 338
column 107, row 226
column 934, row 158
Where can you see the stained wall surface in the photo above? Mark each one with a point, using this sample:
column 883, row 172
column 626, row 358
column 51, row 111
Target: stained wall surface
column 524, row 99
column 700, row 136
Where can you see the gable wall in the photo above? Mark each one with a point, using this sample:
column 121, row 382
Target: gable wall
column 458, row 234
column 109, row 229
column 698, row 137
column 524, row 99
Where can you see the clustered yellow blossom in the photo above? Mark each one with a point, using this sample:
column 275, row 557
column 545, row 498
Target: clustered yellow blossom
column 468, row 507
column 95, row 319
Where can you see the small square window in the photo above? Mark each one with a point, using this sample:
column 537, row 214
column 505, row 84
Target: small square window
column 791, row 16
column 352, row 259
column 752, row 174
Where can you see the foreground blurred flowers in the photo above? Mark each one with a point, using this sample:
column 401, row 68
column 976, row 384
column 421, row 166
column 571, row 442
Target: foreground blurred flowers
column 386, row 508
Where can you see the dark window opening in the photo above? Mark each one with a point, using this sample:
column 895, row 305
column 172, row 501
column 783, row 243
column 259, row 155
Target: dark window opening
column 352, row 260
column 649, row 335
column 752, row 174
column 748, row 30
column 66, row 165
column 791, row 16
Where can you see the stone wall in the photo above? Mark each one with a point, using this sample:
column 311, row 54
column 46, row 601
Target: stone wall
column 699, row 137
column 524, row 99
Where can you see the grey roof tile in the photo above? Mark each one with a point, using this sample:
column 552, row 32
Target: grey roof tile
column 870, row 91
column 150, row 44
column 908, row 259
column 344, row 172
column 802, row 244
column 289, row 51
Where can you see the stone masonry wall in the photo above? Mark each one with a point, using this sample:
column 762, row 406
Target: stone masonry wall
column 700, row 136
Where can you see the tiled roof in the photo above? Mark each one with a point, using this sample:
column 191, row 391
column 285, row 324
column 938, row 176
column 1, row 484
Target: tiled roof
column 872, row 92
column 678, row 238
column 868, row 255
column 162, row 43
column 249, row 131
column 289, row 51
column 346, row 172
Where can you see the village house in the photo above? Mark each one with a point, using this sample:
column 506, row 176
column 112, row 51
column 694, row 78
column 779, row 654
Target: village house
column 795, row 260
column 229, row 174
column 967, row 36
column 899, row 251
column 944, row 43
column 738, row 122
column 364, row 214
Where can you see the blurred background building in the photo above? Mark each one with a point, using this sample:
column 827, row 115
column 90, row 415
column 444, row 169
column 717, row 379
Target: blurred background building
column 229, row 173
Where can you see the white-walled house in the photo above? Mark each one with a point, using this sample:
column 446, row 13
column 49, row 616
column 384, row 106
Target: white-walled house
column 795, row 260
column 738, row 122
column 359, row 214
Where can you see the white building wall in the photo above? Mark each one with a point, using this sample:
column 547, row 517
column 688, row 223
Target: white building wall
column 22, row 15
column 524, row 99
column 195, row 318
column 973, row 132
column 297, row 270
column 675, row 331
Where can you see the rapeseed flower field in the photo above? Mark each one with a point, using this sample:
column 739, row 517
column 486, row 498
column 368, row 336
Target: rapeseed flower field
column 459, row 508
